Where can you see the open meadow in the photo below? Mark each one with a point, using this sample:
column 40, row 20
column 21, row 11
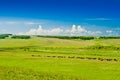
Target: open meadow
column 41, row 58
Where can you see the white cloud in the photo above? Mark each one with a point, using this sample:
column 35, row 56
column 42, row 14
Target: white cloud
column 80, row 29
column 41, row 31
column 95, row 33
column 74, row 31
column 109, row 31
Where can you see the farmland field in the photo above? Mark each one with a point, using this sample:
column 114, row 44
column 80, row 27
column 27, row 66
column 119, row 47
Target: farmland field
column 59, row 59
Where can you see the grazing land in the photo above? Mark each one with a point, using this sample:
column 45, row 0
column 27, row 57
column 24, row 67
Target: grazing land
column 42, row 58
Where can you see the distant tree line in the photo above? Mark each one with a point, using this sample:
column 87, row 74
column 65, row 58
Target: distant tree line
column 20, row 37
column 3, row 36
column 70, row 37
column 109, row 37
column 81, row 37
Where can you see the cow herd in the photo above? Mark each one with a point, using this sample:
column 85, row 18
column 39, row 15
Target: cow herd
column 78, row 57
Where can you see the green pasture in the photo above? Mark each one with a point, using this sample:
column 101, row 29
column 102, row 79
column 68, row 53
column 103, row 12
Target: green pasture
column 32, row 59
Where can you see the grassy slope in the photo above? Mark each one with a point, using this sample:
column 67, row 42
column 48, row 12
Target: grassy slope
column 82, row 69
column 14, row 73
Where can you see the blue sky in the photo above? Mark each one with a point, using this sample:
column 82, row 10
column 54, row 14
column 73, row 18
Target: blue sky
column 20, row 16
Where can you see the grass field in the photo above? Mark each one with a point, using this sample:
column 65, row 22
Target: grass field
column 58, row 59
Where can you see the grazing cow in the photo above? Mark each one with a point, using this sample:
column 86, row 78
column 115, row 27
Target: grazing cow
column 109, row 59
column 33, row 55
column 101, row 59
column 115, row 60
column 94, row 58
column 61, row 57
column 80, row 57
column 91, row 58
column 71, row 56
column 88, row 58
column 48, row 56
column 53, row 56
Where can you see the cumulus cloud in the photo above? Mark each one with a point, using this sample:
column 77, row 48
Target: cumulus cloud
column 109, row 31
column 73, row 31
column 81, row 29
column 41, row 31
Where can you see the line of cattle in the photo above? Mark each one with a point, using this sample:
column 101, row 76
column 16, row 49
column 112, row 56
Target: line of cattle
column 77, row 57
